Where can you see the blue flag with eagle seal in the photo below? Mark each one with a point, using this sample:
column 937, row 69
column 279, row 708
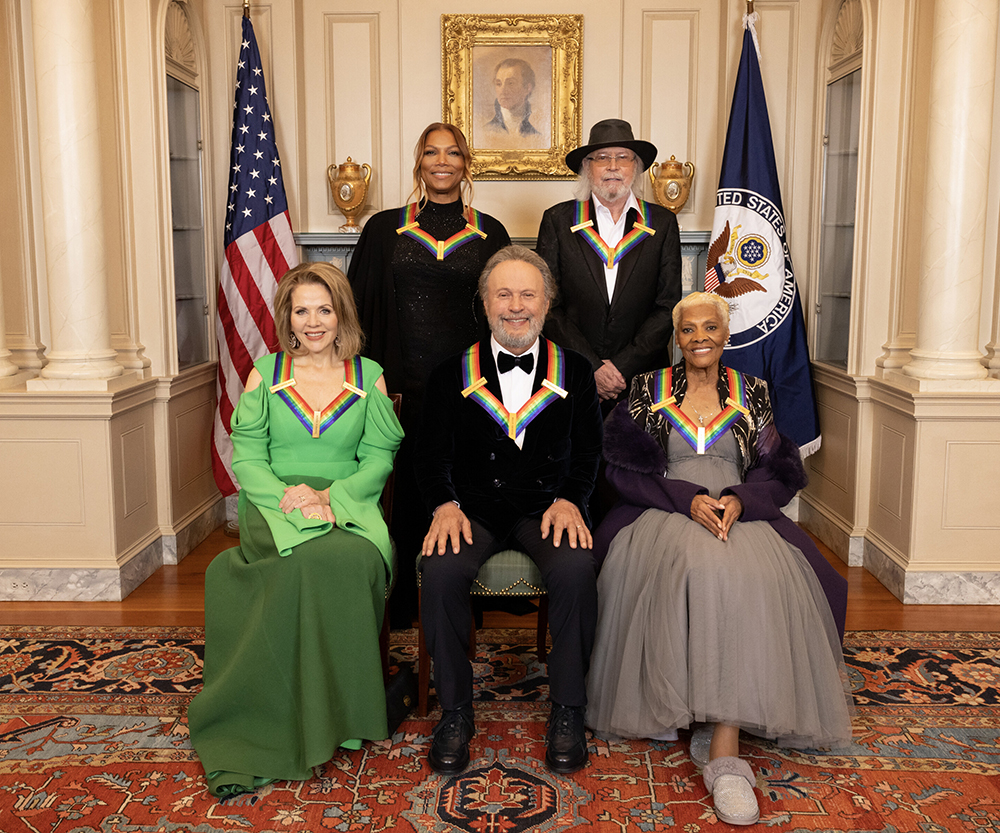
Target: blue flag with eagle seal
column 749, row 263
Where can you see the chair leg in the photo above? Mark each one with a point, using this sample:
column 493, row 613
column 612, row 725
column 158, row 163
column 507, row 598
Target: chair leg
column 543, row 626
column 383, row 644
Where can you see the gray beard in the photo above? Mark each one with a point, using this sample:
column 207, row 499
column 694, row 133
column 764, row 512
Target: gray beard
column 611, row 191
column 604, row 192
column 515, row 342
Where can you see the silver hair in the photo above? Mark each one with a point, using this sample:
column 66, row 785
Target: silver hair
column 525, row 255
column 696, row 299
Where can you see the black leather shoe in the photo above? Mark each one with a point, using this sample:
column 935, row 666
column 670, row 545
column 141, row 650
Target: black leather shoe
column 566, row 740
column 449, row 752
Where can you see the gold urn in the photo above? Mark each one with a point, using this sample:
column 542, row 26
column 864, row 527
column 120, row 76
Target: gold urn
column 672, row 182
column 350, row 188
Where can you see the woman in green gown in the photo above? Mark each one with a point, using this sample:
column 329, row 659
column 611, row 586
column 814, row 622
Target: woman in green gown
column 293, row 614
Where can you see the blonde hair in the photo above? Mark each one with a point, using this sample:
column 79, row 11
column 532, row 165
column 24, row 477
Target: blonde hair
column 350, row 336
column 698, row 299
column 419, row 188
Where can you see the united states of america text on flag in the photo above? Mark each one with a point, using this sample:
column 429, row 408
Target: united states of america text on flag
column 259, row 249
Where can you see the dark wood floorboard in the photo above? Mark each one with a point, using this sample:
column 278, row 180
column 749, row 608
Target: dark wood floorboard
column 174, row 595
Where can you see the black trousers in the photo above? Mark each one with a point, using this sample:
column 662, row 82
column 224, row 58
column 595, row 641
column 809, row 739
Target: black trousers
column 571, row 579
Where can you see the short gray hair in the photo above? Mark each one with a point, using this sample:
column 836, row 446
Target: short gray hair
column 697, row 299
column 525, row 255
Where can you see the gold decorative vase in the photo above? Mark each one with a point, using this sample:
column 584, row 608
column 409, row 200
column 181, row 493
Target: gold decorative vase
column 672, row 182
column 350, row 188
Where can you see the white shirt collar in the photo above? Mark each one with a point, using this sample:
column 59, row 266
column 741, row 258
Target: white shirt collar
column 604, row 214
column 497, row 348
column 511, row 120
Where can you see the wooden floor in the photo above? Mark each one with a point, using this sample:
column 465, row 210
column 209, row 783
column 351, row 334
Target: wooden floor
column 174, row 596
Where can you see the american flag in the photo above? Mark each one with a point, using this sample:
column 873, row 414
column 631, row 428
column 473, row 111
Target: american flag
column 712, row 278
column 259, row 250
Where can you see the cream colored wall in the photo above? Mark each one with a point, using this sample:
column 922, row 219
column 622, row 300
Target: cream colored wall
column 900, row 472
column 102, row 462
column 131, row 464
column 898, row 484
column 362, row 79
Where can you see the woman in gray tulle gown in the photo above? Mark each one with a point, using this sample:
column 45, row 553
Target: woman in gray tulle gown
column 710, row 612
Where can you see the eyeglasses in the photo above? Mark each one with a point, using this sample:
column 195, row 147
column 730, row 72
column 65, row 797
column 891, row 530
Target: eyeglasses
column 603, row 159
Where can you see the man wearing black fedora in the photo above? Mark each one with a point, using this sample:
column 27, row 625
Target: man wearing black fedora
column 617, row 261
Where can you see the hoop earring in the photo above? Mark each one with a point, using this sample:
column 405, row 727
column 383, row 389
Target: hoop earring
column 336, row 341
column 294, row 342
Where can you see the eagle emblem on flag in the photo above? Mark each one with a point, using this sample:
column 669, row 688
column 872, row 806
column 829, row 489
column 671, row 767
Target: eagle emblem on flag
column 726, row 273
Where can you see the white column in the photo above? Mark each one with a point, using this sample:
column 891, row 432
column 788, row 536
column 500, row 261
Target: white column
column 992, row 358
column 957, row 174
column 72, row 204
column 7, row 367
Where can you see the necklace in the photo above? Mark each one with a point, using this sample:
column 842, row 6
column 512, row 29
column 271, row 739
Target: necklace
column 701, row 419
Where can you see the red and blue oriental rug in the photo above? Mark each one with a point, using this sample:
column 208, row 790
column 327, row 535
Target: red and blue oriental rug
column 93, row 739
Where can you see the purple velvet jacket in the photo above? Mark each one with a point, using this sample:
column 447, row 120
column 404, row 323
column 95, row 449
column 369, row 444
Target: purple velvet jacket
column 637, row 464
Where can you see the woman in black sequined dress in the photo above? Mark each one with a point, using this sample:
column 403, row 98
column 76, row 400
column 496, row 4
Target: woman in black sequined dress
column 414, row 275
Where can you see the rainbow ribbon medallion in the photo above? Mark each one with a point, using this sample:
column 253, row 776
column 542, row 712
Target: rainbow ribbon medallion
column 585, row 227
column 700, row 437
column 316, row 421
column 553, row 388
column 409, row 226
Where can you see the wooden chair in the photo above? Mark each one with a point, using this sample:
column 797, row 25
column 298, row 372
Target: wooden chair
column 386, row 501
column 506, row 573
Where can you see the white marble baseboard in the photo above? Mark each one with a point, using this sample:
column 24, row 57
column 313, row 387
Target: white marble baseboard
column 973, row 588
column 932, row 587
column 887, row 571
column 848, row 548
column 74, row 584
column 193, row 532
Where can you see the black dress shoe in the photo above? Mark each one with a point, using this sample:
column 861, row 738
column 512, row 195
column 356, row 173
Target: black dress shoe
column 449, row 752
column 566, row 740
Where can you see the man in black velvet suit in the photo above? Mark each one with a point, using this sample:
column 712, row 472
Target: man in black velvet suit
column 615, row 310
column 508, row 455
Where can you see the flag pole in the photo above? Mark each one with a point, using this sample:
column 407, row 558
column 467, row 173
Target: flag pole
column 749, row 6
column 246, row 7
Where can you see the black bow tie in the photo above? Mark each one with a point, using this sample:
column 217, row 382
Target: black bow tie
column 506, row 362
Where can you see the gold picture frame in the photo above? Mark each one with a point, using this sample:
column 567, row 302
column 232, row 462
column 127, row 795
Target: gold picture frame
column 484, row 57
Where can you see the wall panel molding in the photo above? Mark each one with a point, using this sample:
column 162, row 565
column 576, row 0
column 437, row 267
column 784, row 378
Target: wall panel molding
column 966, row 508
column 353, row 119
column 351, row 105
column 26, row 467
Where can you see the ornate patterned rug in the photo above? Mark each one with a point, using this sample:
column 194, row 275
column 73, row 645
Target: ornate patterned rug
column 93, row 740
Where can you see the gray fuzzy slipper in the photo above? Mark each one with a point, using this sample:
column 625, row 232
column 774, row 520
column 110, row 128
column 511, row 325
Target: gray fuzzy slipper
column 731, row 782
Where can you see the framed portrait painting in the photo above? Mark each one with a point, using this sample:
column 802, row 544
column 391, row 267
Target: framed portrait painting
column 511, row 83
